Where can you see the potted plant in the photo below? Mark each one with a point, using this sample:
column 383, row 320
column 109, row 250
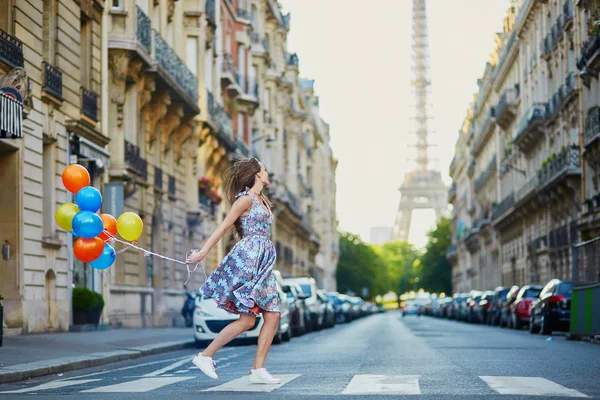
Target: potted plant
column 83, row 301
column 93, row 315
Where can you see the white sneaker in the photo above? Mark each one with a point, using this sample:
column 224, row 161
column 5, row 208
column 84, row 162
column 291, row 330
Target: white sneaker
column 261, row 376
column 206, row 365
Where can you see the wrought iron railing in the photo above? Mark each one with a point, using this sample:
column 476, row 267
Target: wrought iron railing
column 568, row 159
column 175, row 68
column 483, row 177
column 210, row 104
column 503, row 206
column 592, row 124
column 211, row 11
column 143, row 31
column 505, row 51
column 158, row 178
column 52, row 80
column 530, row 185
column 135, row 161
column 537, row 112
column 172, row 186
column 89, row 103
column 11, row 50
column 559, row 237
column 509, row 98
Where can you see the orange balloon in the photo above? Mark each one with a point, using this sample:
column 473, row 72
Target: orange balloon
column 110, row 224
column 75, row 177
column 87, row 250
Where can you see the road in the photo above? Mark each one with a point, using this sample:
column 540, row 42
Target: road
column 382, row 356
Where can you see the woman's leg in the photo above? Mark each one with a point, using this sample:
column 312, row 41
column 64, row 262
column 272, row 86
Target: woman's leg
column 265, row 337
column 229, row 333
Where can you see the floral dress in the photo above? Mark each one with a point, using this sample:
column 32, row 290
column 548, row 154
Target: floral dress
column 244, row 281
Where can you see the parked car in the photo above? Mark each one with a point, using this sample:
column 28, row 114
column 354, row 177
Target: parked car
column 511, row 296
column 309, row 288
column 356, row 303
column 443, row 307
column 457, row 306
column 552, row 312
column 209, row 320
column 473, row 305
column 297, row 309
column 520, row 310
column 495, row 310
column 341, row 306
column 485, row 305
column 284, row 327
column 411, row 308
column 327, row 310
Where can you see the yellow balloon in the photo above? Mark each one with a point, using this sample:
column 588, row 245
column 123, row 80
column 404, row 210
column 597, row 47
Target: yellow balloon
column 64, row 216
column 130, row 226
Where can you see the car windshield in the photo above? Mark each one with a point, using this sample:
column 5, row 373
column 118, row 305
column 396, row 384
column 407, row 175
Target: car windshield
column 531, row 293
column 306, row 289
column 564, row 289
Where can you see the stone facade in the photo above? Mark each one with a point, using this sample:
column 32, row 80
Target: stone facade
column 529, row 173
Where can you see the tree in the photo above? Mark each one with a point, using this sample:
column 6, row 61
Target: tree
column 435, row 269
column 399, row 258
column 359, row 266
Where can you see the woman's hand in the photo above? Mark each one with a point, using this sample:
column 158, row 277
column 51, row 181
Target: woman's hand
column 195, row 258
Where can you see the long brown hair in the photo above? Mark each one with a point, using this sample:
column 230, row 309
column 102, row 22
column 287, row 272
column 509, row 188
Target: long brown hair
column 238, row 177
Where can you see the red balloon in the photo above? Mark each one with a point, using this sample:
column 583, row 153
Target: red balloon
column 110, row 225
column 75, row 177
column 87, row 250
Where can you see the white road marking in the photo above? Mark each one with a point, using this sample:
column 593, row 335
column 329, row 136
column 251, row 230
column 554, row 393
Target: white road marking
column 533, row 386
column 382, row 384
column 242, row 385
column 169, row 367
column 138, row 386
column 53, row 385
column 130, row 367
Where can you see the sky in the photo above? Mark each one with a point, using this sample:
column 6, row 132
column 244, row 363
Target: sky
column 360, row 57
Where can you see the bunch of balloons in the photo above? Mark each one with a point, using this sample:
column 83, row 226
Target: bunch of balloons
column 94, row 230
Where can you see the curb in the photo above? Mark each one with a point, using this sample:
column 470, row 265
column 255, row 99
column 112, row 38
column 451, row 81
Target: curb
column 19, row 372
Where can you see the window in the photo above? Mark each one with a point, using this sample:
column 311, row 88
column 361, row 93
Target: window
column 192, row 54
column 240, row 126
column 242, row 65
column 6, row 15
column 48, row 189
column 86, row 51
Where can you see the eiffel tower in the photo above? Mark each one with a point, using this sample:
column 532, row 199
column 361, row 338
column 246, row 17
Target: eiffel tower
column 422, row 188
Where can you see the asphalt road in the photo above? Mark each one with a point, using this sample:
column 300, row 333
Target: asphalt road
column 382, row 356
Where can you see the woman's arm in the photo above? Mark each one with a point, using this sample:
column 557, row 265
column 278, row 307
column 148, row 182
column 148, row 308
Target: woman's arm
column 240, row 206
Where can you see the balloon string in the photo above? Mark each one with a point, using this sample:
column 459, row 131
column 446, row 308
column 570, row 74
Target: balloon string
column 148, row 253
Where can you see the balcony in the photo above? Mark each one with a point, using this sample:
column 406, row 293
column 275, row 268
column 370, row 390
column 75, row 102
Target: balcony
column 172, row 188
column 210, row 105
column 242, row 148
column 452, row 193
column 134, row 162
column 89, row 104
column 527, row 188
column 52, row 81
column 590, row 54
column 452, row 254
column 134, row 33
column 11, row 50
column 506, row 204
column 487, row 128
column 508, row 107
column 530, row 128
column 484, row 176
column 566, row 163
column 143, row 31
column 176, row 73
column 592, row 127
column 211, row 12
column 227, row 75
column 225, row 126
column 559, row 238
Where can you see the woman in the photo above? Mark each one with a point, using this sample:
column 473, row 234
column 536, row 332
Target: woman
column 244, row 283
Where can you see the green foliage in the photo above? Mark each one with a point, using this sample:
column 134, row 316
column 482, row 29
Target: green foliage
column 400, row 260
column 435, row 269
column 84, row 300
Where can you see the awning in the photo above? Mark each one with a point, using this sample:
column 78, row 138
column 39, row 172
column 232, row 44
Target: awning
column 11, row 118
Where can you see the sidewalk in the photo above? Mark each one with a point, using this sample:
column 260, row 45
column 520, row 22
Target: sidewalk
column 27, row 356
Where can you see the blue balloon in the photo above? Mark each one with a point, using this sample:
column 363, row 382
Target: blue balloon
column 87, row 225
column 106, row 259
column 89, row 199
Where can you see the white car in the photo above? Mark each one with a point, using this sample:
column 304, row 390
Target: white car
column 209, row 320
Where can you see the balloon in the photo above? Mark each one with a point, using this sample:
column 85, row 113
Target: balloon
column 87, row 250
column 110, row 224
column 89, row 199
column 75, row 177
column 64, row 216
column 106, row 259
column 129, row 226
column 87, row 225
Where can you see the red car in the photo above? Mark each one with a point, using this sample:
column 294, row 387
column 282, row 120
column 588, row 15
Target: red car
column 521, row 309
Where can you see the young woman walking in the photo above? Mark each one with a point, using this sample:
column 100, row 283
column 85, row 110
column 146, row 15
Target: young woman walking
column 243, row 283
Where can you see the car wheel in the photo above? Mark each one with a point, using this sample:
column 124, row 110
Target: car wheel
column 545, row 329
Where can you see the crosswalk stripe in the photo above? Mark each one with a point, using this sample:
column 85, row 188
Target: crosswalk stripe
column 242, row 385
column 382, row 384
column 169, row 367
column 53, row 385
column 533, row 386
column 139, row 385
